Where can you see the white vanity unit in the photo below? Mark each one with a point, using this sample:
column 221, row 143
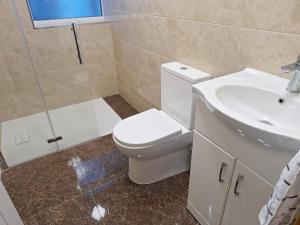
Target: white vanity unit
column 243, row 138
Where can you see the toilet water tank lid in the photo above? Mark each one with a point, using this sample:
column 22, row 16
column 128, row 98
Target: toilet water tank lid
column 185, row 72
column 146, row 128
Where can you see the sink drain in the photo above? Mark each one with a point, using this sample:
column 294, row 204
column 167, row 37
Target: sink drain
column 266, row 122
column 281, row 101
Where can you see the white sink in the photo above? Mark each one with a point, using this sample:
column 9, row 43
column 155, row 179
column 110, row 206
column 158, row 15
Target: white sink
column 256, row 105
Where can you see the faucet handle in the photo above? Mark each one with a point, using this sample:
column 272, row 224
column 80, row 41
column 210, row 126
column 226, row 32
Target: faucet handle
column 292, row 67
column 289, row 68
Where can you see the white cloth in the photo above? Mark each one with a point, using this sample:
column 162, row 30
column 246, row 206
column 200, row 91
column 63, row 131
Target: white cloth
column 281, row 193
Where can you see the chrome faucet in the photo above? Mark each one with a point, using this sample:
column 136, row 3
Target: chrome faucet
column 294, row 69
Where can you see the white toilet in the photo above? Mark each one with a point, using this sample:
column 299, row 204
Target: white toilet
column 158, row 142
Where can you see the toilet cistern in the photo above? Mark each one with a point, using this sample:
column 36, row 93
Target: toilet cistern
column 294, row 69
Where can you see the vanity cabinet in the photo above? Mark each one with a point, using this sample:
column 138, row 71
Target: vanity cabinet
column 222, row 190
column 248, row 193
column 211, row 173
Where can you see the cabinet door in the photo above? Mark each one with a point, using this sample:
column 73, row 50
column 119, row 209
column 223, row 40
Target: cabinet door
column 248, row 193
column 211, row 173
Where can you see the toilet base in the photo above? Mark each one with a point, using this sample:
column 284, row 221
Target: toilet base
column 153, row 170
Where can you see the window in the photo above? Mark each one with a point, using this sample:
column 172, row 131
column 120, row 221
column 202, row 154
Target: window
column 46, row 13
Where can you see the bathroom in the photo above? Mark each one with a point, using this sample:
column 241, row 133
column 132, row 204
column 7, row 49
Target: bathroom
column 81, row 80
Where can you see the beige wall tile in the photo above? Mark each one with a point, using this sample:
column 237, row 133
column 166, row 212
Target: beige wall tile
column 274, row 15
column 217, row 36
column 63, row 80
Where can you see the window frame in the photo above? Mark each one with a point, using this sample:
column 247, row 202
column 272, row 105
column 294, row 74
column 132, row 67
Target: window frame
column 38, row 24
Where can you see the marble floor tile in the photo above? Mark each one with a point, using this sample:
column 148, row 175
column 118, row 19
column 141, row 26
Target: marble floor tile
column 121, row 107
column 163, row 202
column 52, row 180
column 72, row 212
column 96, row 172
column 125, row 203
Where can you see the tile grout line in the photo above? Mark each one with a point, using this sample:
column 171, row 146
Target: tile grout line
column 203, row 22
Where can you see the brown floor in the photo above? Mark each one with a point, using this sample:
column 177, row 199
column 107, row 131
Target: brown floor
column 63, row 188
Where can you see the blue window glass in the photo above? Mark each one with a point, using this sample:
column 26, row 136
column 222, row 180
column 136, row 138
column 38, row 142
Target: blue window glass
column 64, row 9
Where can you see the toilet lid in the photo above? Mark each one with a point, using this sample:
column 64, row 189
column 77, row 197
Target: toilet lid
column 146, row 128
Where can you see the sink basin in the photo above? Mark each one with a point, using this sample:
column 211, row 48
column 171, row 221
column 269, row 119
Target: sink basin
column 256, row 105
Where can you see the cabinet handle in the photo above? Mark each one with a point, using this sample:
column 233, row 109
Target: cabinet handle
column 239, row 178
column 223, row 165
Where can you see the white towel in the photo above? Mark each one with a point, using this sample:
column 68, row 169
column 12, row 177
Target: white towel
column 283, row 204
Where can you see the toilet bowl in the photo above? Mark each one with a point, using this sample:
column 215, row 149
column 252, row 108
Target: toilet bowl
column 158, row 142
column 157, row 146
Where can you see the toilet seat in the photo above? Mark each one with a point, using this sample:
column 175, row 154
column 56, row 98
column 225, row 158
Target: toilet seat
column 146, row 128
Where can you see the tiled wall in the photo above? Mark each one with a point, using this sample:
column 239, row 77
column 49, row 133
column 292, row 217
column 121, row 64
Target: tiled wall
column 19, row 94
column 217, row 36
column 63, row 80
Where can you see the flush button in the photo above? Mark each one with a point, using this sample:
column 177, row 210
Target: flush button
column 183, row 68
